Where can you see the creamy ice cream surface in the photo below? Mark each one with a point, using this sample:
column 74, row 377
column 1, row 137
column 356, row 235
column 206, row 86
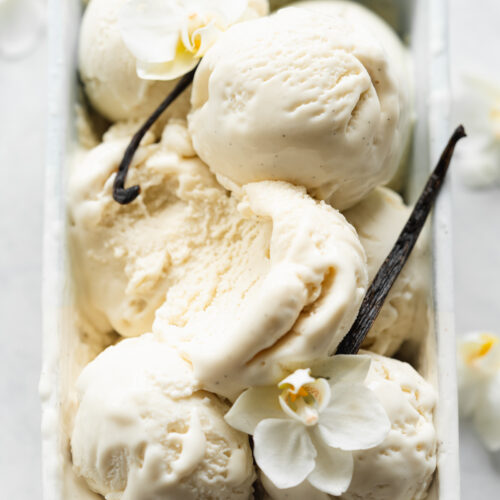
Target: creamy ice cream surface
column 243, row 261
column 108, row 69
column 272, row 278
column 293, row 302
column 378, row 220
column 144, row 432
column 300, row 97
column 402, row 466
column 126, row 258
column 397, row 56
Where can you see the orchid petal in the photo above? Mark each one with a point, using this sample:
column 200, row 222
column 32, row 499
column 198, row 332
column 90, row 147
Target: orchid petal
column 487, row 415
column 479, row 156
column 299, row 492
column 169, row 70
column 480, row 161
column 284, row 451
column 150, row 29
column 334, row 468
column 207, row 35
column 354, row 419
column 343, row 368
column 254, row 405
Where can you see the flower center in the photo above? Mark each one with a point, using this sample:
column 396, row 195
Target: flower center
column 488, row 341
column 303, row 397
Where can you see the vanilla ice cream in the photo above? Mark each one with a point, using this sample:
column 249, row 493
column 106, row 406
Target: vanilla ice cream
column 108, row 69
column 293, row 303
column 246, row 283
column 301, row 97
column 397, row 56
column 378, row 220
column 403, row 465
column 126, row 257
column 143, row 431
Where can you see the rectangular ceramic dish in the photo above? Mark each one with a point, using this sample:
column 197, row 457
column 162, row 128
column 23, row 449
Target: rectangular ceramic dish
column 422, row 23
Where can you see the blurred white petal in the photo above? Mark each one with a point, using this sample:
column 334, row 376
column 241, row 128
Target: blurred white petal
column 487, row 415
column 480, row 352
column 478, row 107
column 479, row 161
column 22, row 24
column 479, row 384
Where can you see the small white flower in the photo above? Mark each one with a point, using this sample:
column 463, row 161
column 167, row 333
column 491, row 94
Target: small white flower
column 306, row 428
column 479, row 109
column 479, row 384
column 168, row 37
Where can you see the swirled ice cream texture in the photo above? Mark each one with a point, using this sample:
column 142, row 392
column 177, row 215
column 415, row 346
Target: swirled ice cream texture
column 183, row 234
column 244, row 285
column 294, row 304
column 144, row 430
column 299, row 97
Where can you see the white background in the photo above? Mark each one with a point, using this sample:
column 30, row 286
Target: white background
column 475, row 44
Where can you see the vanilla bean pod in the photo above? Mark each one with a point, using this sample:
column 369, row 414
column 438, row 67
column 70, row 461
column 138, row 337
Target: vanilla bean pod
column 124, row 195
column 393, row 264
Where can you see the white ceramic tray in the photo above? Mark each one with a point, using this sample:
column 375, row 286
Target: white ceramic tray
column 423, row 23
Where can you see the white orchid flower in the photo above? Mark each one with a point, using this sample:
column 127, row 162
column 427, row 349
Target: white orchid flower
column 479, row 108
column 479, row 384
column 306, row 427
column 169, row 37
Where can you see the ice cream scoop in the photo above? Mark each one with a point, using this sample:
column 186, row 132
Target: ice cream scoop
column 290, row 301
column 397, row 56
column 403, row 465
column 378, row 220
column 125, row 258
column 300, row 97
column 276, row 272
column 108, row 69
column 143, row 431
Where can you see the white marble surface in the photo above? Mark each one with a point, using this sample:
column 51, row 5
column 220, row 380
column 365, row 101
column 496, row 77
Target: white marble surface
column 475, row 41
